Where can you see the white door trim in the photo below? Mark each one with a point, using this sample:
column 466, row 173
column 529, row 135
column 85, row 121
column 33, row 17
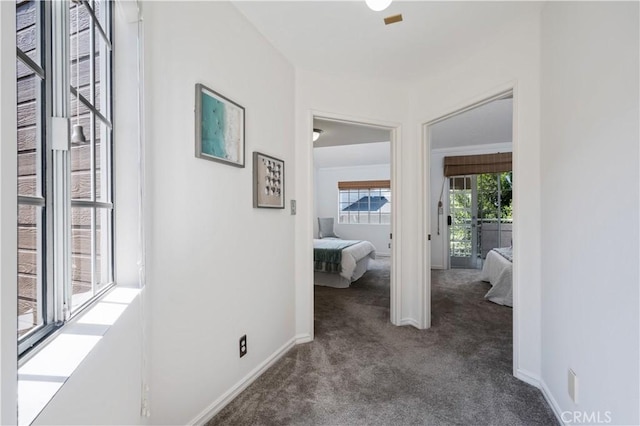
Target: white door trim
column 396, row 136
column 425, row 294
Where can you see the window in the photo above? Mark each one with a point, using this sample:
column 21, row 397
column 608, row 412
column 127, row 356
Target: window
column 65, row 196
column 365, row 202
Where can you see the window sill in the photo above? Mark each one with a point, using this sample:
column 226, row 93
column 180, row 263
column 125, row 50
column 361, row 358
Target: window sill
column 40, row 377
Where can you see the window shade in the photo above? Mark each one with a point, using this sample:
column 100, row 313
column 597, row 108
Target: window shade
column 477, row 164
column 364, row 184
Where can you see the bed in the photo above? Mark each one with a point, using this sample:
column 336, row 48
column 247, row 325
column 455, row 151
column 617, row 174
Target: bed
column 338, row 263
column 498, row 271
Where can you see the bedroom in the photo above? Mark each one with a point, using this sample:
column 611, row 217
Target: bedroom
column 472, row 190
column 353, row 201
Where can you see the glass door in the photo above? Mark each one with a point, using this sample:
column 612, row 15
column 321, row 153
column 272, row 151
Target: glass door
column 495, row 219
column 480, row 208
column 463, row 209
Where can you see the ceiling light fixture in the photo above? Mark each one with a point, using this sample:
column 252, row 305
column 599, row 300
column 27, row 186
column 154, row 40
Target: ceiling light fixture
column 378, row 5
column 316, row 134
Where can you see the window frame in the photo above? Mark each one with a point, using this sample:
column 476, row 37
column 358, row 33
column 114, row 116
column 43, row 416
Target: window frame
column 55, row 279
column 363, row 189
column 47, row 316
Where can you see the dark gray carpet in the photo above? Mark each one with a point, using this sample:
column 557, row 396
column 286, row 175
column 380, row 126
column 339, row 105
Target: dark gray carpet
column 361, row 370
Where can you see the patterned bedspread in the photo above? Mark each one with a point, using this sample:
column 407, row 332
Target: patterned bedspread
column 327, row 253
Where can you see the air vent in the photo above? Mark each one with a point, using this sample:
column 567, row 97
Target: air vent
column 392, row 19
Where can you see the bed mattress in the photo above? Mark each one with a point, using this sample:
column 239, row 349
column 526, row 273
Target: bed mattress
column 498, row 271
column 355, row 260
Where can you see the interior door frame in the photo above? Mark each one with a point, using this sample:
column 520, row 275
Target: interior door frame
column 498, row 93
column 395, row 130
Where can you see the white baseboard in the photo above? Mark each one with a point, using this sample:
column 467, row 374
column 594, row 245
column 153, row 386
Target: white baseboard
column 552, row 402
column 528, row 377
column 534, row 380
column 409, row 321
column 228, row 396
column 303, row 338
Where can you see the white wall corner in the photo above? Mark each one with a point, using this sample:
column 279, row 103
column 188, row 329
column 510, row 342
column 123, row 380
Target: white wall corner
column 533, row 380
column 236, row 389
column 552, row 402
column 303, row 338
column 527, row 377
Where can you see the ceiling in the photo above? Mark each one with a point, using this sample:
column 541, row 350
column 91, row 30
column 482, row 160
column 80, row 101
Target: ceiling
column 347, row 144
column 352, row 155
column 340, row 133
column 486, row 124
column 347, row 38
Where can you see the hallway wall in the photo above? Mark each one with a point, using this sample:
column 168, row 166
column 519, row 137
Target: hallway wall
column 590, row 206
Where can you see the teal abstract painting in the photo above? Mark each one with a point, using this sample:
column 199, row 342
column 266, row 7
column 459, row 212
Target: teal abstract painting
column 219, row 128
column 213, row 127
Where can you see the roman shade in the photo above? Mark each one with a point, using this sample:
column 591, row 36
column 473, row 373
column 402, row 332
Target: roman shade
column 477, row 164
column 364, row 184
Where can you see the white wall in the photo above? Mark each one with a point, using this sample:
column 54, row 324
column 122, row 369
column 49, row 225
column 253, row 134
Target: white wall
column 217, row 267
column 327, row 196
column 590, row 206
column 439, row 244
column 512, row 59
column 8, row 213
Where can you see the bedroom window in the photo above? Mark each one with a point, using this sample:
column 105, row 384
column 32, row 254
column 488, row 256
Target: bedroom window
column 65, row 205
column 365, row 202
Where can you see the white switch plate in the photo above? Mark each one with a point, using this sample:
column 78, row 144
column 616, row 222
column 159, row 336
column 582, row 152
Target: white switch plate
column 573, row 385
column 60, row 133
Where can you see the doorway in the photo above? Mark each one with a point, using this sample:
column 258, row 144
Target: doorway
column 378, row 214
column 472, row 130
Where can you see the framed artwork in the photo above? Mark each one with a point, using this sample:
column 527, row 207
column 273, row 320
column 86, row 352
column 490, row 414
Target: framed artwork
column 219, row 128
column 268, row 182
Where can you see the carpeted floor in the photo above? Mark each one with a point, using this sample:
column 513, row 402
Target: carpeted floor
column 361, row 370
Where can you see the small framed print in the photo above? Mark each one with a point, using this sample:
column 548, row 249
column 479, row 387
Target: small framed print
column 268, row 182
column 219, row 128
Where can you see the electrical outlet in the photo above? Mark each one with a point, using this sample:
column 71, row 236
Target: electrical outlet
column 243, row 346
column 573, row 385
column 293, row 207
